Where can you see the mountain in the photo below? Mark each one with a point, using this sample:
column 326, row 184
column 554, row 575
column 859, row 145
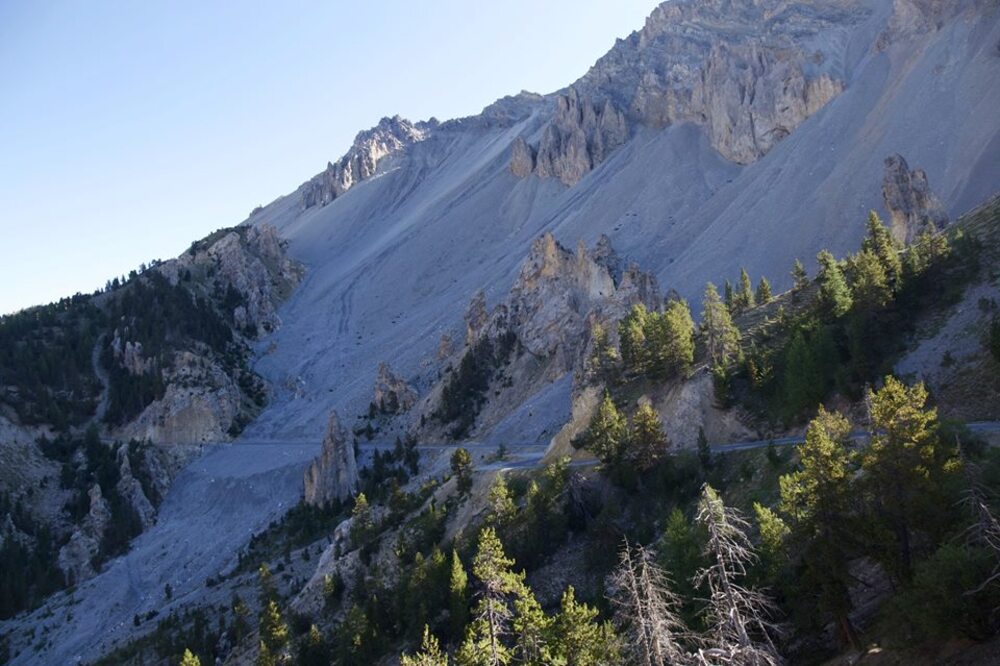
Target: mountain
column 724, row 134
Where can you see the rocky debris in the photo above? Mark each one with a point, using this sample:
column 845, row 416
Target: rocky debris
column 445, row 347
column 333, row 476
column 578, row 138
column 131, row 490
column 361, row 162
column 392, row 394
column 76, row 557
column 912, row 206
column 747, row 71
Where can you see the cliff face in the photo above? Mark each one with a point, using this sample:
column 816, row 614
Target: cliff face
column 333, row 476
column 697, row 61
column 361, row 161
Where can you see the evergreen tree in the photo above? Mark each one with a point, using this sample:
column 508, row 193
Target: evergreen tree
column 265, row 585
column 648, row 442
column 484, row 643
column 189, row 659
column 704, row 450
column 461, row 467
column 632, row 339
column 603, row 360
column 802, row 380
column 800, row 278
column 721, row 337
column 834, row 294
column 532, row 630
column 264, row 656
column 362, row 524
column 907, row 469
column 817, row 500
column 880, row 243
column 430, row 653
column 314, row 651
column 727, row 294
column 579, row 639
column 671, row 339
column 272, row 628
column 458, row 596
column 764, row 295
column 607, row 436
column 869, row 282
column 773, row 535
column 500, row 503
column 743, row 300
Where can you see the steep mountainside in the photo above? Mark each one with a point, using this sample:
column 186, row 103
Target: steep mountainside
column 724, row 133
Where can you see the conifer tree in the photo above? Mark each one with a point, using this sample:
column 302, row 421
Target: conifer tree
column 607, row 437
column 362, row 523
column 603, row 360
column 869, row 281
column 907, row 469
column 458, row 596
column 189, row 659
column 430, row 653
column 579, row 639
column 817, row 501
column 500, row 503
column 802, row 381
column 834, row 294
column 632, row 339
column 744, row 298
column 264, row 656
column 461, row 467
column 704, row 450
column 764, row 295
column 484, row 643
column 880, row 243
column 648, row 442
column 800, row 278
column 272, row 628
column 727, row 294
column 313, row 650
column 532, row 630
column 672, row 339
column 721, row 336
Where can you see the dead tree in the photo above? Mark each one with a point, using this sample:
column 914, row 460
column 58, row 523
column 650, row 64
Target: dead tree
column 738, row 617
column 646, row 610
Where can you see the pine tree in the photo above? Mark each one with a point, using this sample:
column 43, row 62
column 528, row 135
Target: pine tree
column 189, row 659
column 361, row 520
column 461, row 467
column 313, row 650
column 727, row 294
column 430, row 653
column 880, row 243
column 265, row 585
column 603, row 360
column 648, row 442
column 800, row 278
column 500, row 503
column 632, row 339
column 579, row 639
column 743, row 299
column 834, row 294
column 802, row 382
column 272, row 628
column 484, row 643
column 671, row 339
column 532, row 630
column 721, row 337
column 704, row 450
column 764, row 295
column 458, row 596
column 773, row 535
column 869, row 281
column 607, row 436
column 907, row 470
column 264, row 656
column 817, row 502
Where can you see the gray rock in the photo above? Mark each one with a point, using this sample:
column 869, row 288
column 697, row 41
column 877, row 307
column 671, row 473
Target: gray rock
column 76, row 557
column 131, row 490
column 334, row 474
column 392, row 394
column 912, row 206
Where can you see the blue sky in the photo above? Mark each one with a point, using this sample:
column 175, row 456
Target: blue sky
column 130, row 129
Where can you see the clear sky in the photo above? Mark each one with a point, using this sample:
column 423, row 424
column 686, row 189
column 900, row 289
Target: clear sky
column 129, row 129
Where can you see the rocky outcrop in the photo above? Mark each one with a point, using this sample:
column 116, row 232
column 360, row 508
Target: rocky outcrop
column 747, row 71
column 913, row 18
column 76, row 557
column 476, row 316
column 912, row 206
column 579, row 137
column 334, row 475
column 361, row 162
column 392, row 395
column 131, row 490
